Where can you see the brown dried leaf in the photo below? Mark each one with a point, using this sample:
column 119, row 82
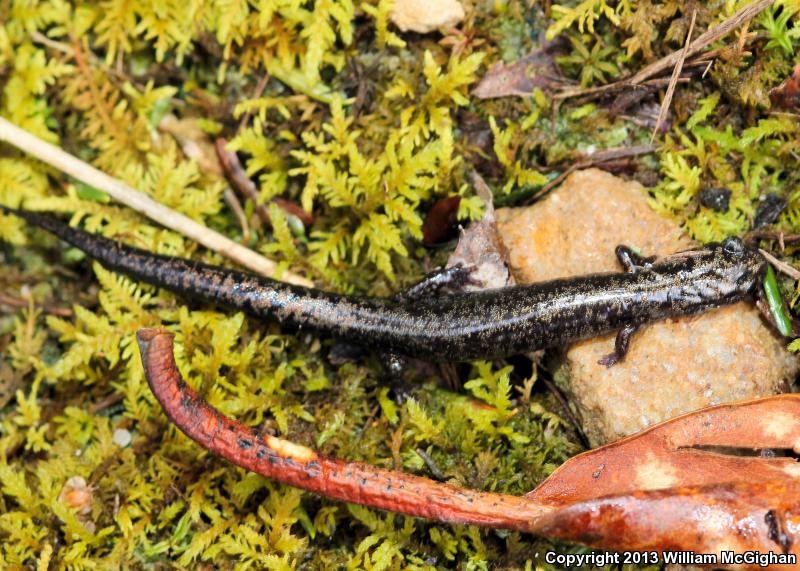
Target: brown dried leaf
column 194, row 142
column 681, row 452
column 787, row 94
column 521, row 78
column 440, row 219
column 480, row 246
column 737, row 517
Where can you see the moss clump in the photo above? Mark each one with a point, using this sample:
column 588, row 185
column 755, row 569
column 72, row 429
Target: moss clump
column 366, row 127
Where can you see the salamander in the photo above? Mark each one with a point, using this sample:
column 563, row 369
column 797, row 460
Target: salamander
column 459, row 326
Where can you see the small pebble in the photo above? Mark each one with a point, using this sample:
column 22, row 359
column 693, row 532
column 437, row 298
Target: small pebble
column 716, row 198
column 122, row 437
column 768, row 210
column 77, row 495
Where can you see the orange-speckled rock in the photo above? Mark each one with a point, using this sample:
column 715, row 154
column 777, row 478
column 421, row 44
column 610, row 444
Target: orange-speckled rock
column 674, row 366
column 576, row 228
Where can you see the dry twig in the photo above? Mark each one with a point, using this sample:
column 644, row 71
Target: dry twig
column 23, row 303
column 239, row 180
column 436, row 472
column 599, row 157
column 782, row 267
column 241, row 183
column 662, row 114
column 236, row 207
column 259, row 91
column 140, row 202
column 779, row 235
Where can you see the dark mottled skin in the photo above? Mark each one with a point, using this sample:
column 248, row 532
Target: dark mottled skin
column 459, row 326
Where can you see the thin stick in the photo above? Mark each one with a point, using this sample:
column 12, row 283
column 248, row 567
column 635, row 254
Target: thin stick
column 239, row 180
column 140, row 202
column 40, row 38
column 782, row 267
column 262, row 85
column 591, row 92
column 778, row 235
column 597, row 158
column 616, row 153
column 431, row 464
column 52, row 310
column 106, row 402
column 236, row 207
column 676, row 73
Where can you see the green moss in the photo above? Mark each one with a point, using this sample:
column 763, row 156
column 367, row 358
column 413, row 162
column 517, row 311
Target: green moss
column 366, row 127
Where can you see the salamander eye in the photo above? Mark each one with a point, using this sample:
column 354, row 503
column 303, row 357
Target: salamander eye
column 733, row 246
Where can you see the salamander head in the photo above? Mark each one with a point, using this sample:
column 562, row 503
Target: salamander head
column 738, row 264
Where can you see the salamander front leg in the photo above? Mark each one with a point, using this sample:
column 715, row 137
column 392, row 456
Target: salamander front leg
column 395, row 366
column 455, row 277
column 620, row 346
column 631, row 261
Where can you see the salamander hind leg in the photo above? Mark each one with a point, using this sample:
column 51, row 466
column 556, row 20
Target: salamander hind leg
column 395, row 367
column 454, row 278
column 621, row 345
column 630, row 260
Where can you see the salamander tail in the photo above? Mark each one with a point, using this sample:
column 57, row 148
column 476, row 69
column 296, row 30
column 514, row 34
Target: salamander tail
column 44, row 221
column 97, row 247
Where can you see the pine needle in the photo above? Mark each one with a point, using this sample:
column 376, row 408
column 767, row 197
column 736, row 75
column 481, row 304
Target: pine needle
column 676, row 72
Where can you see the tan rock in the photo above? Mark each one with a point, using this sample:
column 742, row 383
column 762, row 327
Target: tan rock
column 426, row 16
column 673, row 366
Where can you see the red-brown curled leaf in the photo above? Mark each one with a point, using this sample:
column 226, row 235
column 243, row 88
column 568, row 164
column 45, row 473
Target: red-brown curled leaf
column 521, row 78
column 294, row 209
column 787, row 94
column 668, row 454
column 440, row 220
column 737, row 517
column 296, row 465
